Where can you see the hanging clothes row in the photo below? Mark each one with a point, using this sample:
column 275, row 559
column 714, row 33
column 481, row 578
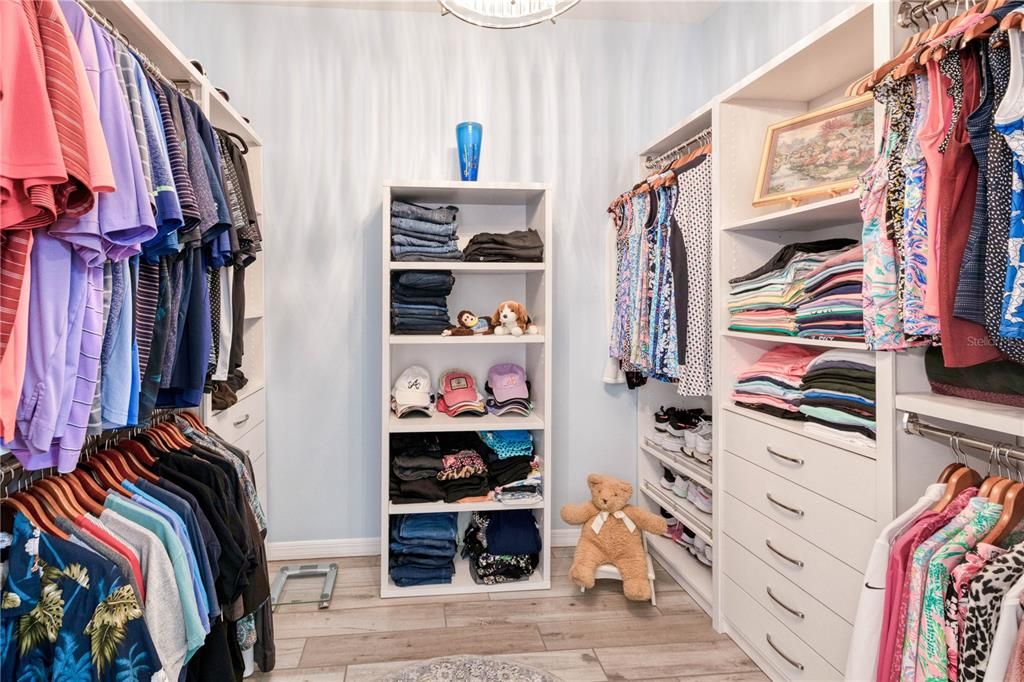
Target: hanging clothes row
column 661, row 323
column 126, row 221
column 149, row 567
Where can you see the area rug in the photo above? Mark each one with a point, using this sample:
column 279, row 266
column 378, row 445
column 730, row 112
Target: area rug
column 470, row 669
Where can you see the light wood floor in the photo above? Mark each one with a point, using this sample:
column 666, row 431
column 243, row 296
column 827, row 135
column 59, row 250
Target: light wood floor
column 578, row 637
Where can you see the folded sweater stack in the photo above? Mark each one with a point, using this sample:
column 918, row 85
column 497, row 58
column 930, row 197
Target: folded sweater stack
column 773, row 384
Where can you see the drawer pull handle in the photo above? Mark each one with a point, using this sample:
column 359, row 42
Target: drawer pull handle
column 786, row 458
column 795, row 562
column 787, row 607
column 780, row 505
column 242, row 420
column 793, row 662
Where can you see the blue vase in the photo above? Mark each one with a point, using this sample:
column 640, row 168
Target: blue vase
column 469, row 135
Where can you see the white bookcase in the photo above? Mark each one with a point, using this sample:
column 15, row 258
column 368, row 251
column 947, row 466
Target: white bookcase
column 479, row 287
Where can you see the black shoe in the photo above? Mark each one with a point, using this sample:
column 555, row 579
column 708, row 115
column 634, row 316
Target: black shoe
column 667, row 479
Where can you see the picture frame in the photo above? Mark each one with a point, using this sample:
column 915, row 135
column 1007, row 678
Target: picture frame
column 822, row 152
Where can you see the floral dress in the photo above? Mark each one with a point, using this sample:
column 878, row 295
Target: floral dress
column 918, row 581
column 932, row 650
column 663, row 328
column 1011, row 323
column 69, row 615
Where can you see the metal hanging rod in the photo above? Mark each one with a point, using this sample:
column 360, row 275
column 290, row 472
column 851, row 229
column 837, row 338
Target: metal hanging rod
column 910, row 12
column 655, row 162
column 913, row 425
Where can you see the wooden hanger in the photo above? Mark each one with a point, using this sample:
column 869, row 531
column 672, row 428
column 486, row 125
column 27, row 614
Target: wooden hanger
column 174, row 436
column 138, row 451
column 948, row 471
column 1012, row 20
column 130, row 456
column 77, row 490
column 873, row 78
column 1013, row 514
column 986, row 26
column 115, row 462
column 89, row 485
column 67, row 504
column 39, row 517
column 105, row 476
column 960, row 481
column 999, row 490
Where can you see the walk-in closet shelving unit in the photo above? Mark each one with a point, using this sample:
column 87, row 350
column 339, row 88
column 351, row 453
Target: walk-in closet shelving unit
column 243, row 423
column 682, row 565
column 479, row 287
column 787, row 580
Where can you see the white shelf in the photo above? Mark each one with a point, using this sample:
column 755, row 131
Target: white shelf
column 684, row 510
column 439, row 422
column 458, row 192
column 479, row 339
column 684, row 568
column 681, row 464
column 250, row 389
column 797, row 340
column 797, row 427
column 841, row 210
column 463, row 583
column 223, row 115
column 695, row 123
column 464, row 267
column 1002, row 418
column 439, row 507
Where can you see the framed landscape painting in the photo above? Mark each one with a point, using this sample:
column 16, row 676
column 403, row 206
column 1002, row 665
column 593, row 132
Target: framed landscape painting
column 820, row 152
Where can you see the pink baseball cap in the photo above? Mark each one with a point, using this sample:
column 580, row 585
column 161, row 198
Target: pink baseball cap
column 458, row 387
column 507, row 381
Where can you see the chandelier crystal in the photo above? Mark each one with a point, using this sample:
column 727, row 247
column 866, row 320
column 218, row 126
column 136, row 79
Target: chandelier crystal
column 507, row 13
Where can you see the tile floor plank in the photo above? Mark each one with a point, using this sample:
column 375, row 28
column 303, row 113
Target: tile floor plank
column 328, row 674
column 356, row 621
column 698, row 659
column 539, row 610
column 413, row 645
column 368, row 596
column 288, row 652
column 640, row 631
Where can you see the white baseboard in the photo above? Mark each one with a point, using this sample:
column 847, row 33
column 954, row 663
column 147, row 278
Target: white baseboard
column 326, row 549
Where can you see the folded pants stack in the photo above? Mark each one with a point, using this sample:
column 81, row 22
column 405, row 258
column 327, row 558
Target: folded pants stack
column 502, row 546
column 422, row 549
column 833, row 304
column 510, row 484
column 766, row 300
column 839, row 395
column 415, row 464
column 773, row 384
column 419, row 233
column 419, row 302
column 523, row 246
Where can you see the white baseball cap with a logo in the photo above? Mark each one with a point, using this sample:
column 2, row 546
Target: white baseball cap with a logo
column 411, row 392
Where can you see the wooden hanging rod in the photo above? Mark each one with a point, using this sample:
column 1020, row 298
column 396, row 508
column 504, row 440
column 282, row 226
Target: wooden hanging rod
column 913, row 425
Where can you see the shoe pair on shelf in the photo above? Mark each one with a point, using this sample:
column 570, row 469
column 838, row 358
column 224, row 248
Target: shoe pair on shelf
column 676, row 419
column 686, row 489
column 685, row 431
column 677, row 532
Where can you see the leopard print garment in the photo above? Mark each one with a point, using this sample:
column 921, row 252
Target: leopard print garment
column 984, row 600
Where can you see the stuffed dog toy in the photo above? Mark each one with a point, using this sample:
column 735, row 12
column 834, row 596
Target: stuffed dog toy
column 511, row 318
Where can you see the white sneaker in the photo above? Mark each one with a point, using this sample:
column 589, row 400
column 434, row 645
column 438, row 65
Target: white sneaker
column 682, row 487
column 700, row 497
column 694, row 436
column 706, row 556
column 673, row 444
column 698, row 547
column 667, row 479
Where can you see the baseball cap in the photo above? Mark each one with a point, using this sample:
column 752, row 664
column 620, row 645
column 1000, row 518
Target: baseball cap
column 411, row 392
column 459, row 394
column 507, row 381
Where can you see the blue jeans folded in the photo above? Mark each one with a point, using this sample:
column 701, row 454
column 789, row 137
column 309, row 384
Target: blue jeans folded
column 403, row 240
column 430, row 576
column 427, row 281
column 406, row 299
column 450, row 247
column 441, row 215
column 442, row 526
column 407, row 555
column 418, row 257
column 422, row 236
column 420, row 309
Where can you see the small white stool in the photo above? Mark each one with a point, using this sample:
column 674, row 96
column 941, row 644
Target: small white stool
column 609, row 572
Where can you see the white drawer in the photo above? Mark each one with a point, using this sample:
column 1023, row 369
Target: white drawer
column 810, row 568
column 254, row 441
column 845, row 534
column 838, row 474
column 790, row 655
column 809, row 619
column 240, row 418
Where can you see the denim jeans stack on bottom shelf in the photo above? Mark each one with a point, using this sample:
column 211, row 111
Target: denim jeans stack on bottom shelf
column 419, row 302
column 420, row 233
column 423, row 549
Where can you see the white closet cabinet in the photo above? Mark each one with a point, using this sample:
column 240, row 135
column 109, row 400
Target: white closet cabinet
column 479, row 287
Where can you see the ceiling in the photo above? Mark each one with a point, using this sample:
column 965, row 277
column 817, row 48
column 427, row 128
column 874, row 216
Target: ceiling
column 674, row 11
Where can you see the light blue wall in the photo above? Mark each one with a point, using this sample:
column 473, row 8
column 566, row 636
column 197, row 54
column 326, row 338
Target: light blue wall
column 345, row 99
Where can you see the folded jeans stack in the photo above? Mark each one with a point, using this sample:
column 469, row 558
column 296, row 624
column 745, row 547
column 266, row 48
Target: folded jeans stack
column 839, row 396
column 502, row 546
column 419, row 302
column 773, row 384
column 415, row 464
column 833, row 304
column 522, row 246
column 422, row 549
column 766, row 300
column 420, row 233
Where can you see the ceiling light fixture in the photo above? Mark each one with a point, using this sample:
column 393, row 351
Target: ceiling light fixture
column 506, row 13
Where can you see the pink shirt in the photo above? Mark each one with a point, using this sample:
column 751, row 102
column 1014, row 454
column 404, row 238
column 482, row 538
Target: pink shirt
column 787, row 360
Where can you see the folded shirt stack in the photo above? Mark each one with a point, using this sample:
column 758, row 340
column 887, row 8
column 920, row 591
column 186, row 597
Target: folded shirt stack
column 463, row 475
column 839, row 396
column 832, row 304
column 509, row 390
column 458, row 394
column 766, row 300
column 415, row 464
column 420, row 233
column 773, row 384
column 505, row 444
column 419, row 301
column 524, row 246
column 523, row 491
column 422, row 549
column 999, row 381
column 502, row 546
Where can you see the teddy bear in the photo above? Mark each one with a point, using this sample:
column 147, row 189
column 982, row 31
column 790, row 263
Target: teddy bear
column 611, row 534
column 511, row 318
column 468, row 324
